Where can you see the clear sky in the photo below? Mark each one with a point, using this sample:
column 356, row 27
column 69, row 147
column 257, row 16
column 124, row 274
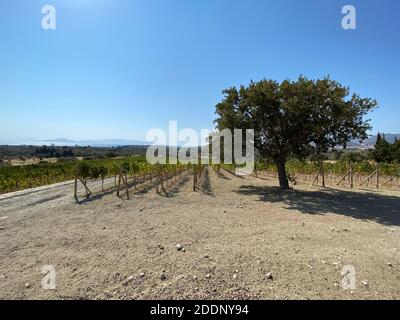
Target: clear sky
column 117, row 68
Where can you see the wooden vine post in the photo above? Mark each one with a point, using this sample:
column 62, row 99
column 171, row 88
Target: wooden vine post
column 377, row 176
column 319, row 173
column 159, row 176
column 122, row 178
column 375, row 173
column 391, row 179
column 351, row 176
column 76, row 189
column 88, row 193
column 194, row 178
column 321, row 164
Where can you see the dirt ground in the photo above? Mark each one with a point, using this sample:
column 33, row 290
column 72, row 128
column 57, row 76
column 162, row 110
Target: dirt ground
column 242, row 238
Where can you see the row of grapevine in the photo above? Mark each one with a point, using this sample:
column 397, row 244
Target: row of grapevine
column 360, row 173
column 335, row 168
column 168, row 175
column 128, row 173
column 14, row 178
column 197, row 174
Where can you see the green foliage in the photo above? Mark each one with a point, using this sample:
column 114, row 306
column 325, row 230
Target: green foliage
column 13, row 178
column 103, row 171
column 294, row 167
column 385, row 151
column 352, row 157
column 13, row 152
column 295, row 118
column 395, row 151
column 52, row 151
column 83, row 170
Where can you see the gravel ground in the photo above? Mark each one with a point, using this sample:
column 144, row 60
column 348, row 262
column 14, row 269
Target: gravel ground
column 239, row 238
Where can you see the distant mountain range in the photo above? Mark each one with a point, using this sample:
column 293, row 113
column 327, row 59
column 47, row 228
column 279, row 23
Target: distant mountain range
column 354, row 144
column 370, row 142
column 99, row 143
column 68, row 142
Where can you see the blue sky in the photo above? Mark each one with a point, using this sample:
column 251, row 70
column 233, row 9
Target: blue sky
column 117, row 68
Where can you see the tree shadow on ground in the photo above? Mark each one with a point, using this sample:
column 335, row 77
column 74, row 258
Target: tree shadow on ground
column 369, row 206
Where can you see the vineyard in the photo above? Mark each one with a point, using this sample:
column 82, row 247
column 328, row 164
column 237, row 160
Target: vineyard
column 14, row 178
column 340, row 173
column 130, row 171
column 337, row 173
column 127, row 172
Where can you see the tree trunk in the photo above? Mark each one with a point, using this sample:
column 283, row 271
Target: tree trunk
column 283, row 180
column 321, row 164
column 76, row 189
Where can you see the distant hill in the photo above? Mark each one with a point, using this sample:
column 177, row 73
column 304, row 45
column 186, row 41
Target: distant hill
column 370, row 142
column 109, row 143
column 70, row 143
column 99, row 143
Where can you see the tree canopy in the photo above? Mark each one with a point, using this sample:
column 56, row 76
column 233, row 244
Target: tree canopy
column 295, row 118
column 385, row 151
